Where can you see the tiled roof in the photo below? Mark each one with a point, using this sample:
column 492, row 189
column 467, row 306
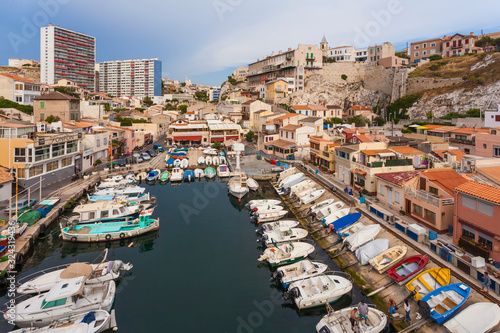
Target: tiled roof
column 398, row 178
column 376, row 151
column 360, row 107
column 333, row 107
column 300, row 107
column 491, row 172
column 310, row 119
column 447, row 179
column 363, row 138
column 5, row 176
column 444, row 129
column 77, row 124
column 18, row 78
column 291, row 127
column 353, row 130
column 470, row 130
column 457, row 152
column 56, row 96
column 318, row 138
column 286, row 116
column 407, row 150
column 250, row 101
column 280, row 143
column 479, row 190
column 318, row 107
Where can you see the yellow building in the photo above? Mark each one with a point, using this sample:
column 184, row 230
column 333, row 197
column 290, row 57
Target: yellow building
column 275, row 91
column 323, row 152
column 259, row 118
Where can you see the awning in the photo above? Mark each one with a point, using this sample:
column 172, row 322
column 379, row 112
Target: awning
column 386, row 154
column 359, row 172
column 423, row 127
column 280, row 144
column 217, row 139
column 187, row 138
column 232, row 137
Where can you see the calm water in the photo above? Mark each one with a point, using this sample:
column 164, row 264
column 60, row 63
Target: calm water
column 198, row 273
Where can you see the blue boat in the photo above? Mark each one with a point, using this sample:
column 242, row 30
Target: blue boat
column 170, row 162
column 346, row 221
column 442, row 303
column 95, row 198
column 221, row 153
column 189, row 175
column 152, row 175
column 177, row 155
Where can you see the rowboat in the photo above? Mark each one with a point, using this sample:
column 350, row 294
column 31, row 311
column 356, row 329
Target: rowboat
column 327, row 210
column 338, row 321
column 252, row 184
column 335, row 216
column 428, row 281
column 209, row 172
column 266, row 227
column 184, row 163
column 302, row 186
column 477, row 318
column 152, row 175
column 208, row 160
column 177, row 163
column 266, row 209
column 317, row 207
column 403, row 271
column 215, row 160
column 442, row 303
column 282, row 175
column 345, row 221
column 165, row 176
column 262, row 202
column 288, row 253
column 188, row 175
column 291, row 180
column 198, row 173
column 388, row 258
column 210, row 151
column 283, row 234
column 201, row 160
column 269, row 216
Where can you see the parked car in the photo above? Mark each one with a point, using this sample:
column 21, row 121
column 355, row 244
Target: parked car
column 151, row 153
column 159, row 148
column 138, row 158
column 21, row 204
column 122, row 162
column 145, row 156
column 148, row 142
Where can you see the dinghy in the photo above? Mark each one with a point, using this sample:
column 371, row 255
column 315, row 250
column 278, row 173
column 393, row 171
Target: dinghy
column 338, row 321
column 222, row 154
column 262, row 202
column 130, row 177
column 201, row 160
column 176, row 175
column 198, row 173
column 208, row 160
column 330, row 209
column 153, row 175
column 476, row 318
column 223, row 171
column 428, row 281
column 215, row 160
column 222, row 159
column 323, row 204
column 210, row 151
column 302, row 186
column 307, row 199
column 238, row 186
column 388, row 258
column 298, row 271
column 129, row 191
column 288, row 253
column 318, row 290
column 291, row 180
column 188, row 175
column 252, row 184
column 115, row 178
column 165, row 176
column 184, row 163
column 403, row 271
column 142, row 176
column 283, row 234
column 441, row 304
column 266, row 227
column 362, row 236
column 335, row 216
column 269, row 216
column 209, row 173
column 177, row 163
column 370, row 250
column 266, row 209
column 288, row 172
column 178, row 150
column 169, row 161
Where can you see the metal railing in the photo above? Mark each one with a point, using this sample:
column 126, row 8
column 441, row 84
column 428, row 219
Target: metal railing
column 423, row 196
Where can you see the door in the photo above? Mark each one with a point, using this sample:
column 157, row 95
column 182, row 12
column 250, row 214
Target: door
column 408, row 207
column 389, row 195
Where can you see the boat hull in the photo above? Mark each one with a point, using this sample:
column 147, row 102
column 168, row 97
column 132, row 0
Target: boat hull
column 108, row 236
column 402, row 272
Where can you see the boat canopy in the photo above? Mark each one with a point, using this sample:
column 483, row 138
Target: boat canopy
column 65, row 289
column 75, row 270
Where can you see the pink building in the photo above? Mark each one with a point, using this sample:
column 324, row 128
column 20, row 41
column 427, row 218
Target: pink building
column 488, row 145
column 475, row 224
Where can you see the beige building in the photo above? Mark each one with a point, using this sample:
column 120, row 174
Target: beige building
column 18, row 89
column 393, row 61
column 275, row 91
column 459, row 44
column 377, row 52
column 423, row 49
column 248, row 109
column 240, row 73
column 391, row 187
column 58, row 105
column 359, row 110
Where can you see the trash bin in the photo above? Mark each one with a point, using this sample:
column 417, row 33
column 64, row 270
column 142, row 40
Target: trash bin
column 361, row 199
column 259, row 157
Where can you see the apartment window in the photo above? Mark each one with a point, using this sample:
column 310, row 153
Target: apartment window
column 66, row 161
column 425, row 45
column 461, row 137
column 433, row 44
column 424, row 52
column 57, row 149
column 98, row 142
column 382, row 190
column 36, row 170
column 42, row 117
column 52, row 166
column 19, row 99
column 397, row 197
column 433, row 51
column 42, row 153
column 485, row 146
column 20, row 155
column 416, row 47
column 42, row 105
column 468, row 232
column 468, row 202
column 417, row 210
column 416, row 54
column 485, row 240
column 496, row 151
column 429, row 215
column 485, row 208
column 433, row 190
column 71, row 147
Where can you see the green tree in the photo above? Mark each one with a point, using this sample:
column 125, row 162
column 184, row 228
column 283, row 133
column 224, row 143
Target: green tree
column 359, row 121
column 343, row 77
column 5, row 103
column 399, row 108
column 71, row 91
column 430, row 115
column 486, row 41
column 332, row 121
column 183, row 84
column 452, row 115
column 250, row 136
column 216, row 145
column 51, row 119
column 201, row 96
column 474, row 113
column 182, row 108
column 147, row 100
column 435, row 57
column 107, row 107
column 379, row 121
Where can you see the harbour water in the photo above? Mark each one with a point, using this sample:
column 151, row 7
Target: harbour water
column 199, row 272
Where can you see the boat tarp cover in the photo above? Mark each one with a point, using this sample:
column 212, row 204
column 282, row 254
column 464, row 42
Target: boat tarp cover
column 30, row 217
column 371, row 249
column 76, row 270
column 363, row 235
column 89, row 317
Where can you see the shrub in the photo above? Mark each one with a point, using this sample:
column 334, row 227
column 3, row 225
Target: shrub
column 250, row 136
column 405, row 130
column 435, row 57
column 475, row 113
column 402, row 212
column 344, row 77
column 216, row 145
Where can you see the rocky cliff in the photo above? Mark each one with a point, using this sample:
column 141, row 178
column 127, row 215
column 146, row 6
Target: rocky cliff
column 30, row 73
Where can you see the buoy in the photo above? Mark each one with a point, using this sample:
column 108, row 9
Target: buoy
column 239, row 200
column 131, row 244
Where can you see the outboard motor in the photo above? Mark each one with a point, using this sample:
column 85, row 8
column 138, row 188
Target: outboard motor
column 254, row 210
column 262, row 239
column 260, row 230
column 324, row 329
column 291, row 294
column 346, row 244
column 277, row 276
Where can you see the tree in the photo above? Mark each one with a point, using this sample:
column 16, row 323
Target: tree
column 107, row 107
column 68, row 91
column 452, row 115
column 201, row 96
column 250, row 136
column 485, row 42
column 359, row 121
column 399, row 108
column 379, row 121
column 430, row 115
column 51, row 119
column 183, row 84
column 216, row 145
column 435, row 57
column 343, row 77
column 182, row 108
column 147, row 100
column 474, row 113
column 332, row 121
column 5, row 103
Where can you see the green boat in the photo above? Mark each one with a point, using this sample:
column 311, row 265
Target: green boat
column 165, row 176
column 177, row 150
column 210, row 172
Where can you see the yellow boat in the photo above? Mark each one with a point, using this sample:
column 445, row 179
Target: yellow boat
column 428, row 281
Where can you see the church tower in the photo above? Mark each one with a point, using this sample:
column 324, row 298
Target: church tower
column 324, row 45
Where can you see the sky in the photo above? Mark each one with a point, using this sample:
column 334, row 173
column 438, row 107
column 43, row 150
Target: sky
column 206, row 40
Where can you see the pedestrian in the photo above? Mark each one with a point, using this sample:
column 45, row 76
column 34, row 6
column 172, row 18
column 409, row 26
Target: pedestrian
column 392, row 307
column 346, row 190
column 353, row 319
column 331, row 228
column 407, row 310
column 486, row 282
column 363, row 311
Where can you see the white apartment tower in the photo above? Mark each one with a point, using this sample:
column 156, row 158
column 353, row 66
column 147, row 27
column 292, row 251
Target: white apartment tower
column 66, row 54
column 139, row 77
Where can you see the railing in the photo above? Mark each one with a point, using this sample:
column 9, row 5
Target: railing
column 375, row 164
column 473, row 249
column 464, row 142
column 266, row 131
column 401, row 162
column 449, row 201
column 423, row 196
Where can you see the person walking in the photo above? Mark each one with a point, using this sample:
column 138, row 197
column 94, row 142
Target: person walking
column 486, row 282
column 392, row 307
column 363, row 311
column 407, row 310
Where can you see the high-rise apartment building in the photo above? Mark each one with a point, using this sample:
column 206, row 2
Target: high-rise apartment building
column 139, row 77
column 66, row 54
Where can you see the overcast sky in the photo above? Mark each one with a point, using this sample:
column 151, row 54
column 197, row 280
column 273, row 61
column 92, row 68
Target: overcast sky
column 207, row 39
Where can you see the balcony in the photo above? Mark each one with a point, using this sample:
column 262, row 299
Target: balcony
column 463, row 142
column 429, row 198
column 269, row 131
column 311, row 57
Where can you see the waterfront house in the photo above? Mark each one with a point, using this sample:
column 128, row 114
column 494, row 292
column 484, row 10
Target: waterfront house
column 391, row 187
column 188, row 133
column 464, row 138
column 322, row 152
column 293, row 142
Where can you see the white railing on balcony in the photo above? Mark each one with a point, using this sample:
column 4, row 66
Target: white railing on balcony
column 423, row 196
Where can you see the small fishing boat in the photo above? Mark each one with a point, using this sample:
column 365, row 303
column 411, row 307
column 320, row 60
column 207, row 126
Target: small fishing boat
column 323, row 204
column 331, row 218
column 88, row 322
column 238, row 186
column 441, row 304
column 184, row 163
column 388, row 258
column 222, row 160
column 178, row 150
column 330, row 209
column 344, row 222
column 403, row 271
column 362, row 236
column 282, row 234
column 104, row 185
column 215, row 160
column 307, row 199
column 305, row 192
column 210, row 151
column 288, row 253
column 427, row 281
column 252, row 184
column 318, row 290
column 283, row 174
column 188, row 175
column 291, row 180
column 476, row 318
column 266, row 209
column 338, row 321
column 201, row 160
column 209, row 173
column 130, row 177
column 370, row 250
column 141, row 176
column 103, row 211
column 153, row 175
column 198, row 173
column 262, row 202
column 298, row 271
column 208, row 160
column 266, row 227
column 350, row 230
column 300, row 187
column 222, row 154
column 169, row 161
column 129, row 191
column 115, row 178
column 177, row 163
column 223, row 171
column 104, row 232
column 176, row 175
column 165, row 176
column 269, row 216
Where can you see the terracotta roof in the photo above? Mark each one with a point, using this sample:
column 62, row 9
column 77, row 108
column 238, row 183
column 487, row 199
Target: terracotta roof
column 491, row 172
column 353, row 130
column 56, row 96
column 363, row 138
column 300, row 107
column 430, row 126
column 407, row 150
column 18, row 78
column 280, row 143
column 444, row 129
column 470, row 130
column 318, row 138
column 16, row 125
column 376, row 151
column 5, row 175
column 250, row 101
column 398, row 178
column 318, row 107
column 479, row 190
column 291, row 127
column 77, row 124
column 457, row 152
column 261, row 111
column 286, row 116
column 447, row 179
column 360, row 107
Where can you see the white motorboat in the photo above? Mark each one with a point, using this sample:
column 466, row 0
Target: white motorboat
column 307, row 199
column 129, row 191
column 476, row 318
column 223, row 171
column 46, row 279
column 291, row 180
column 328, row 210
column 335, row 216
column 208, row 160
column 222, row 159
column 215, row 160
column 238, row 186
column 283, row 174
column 185, row 163
column 266, row 227
column 88, row 322
column 288, row 253
column 269, row 216
column 210, row 151
column 302, row 186
column 283, row 234
column 210, row 173
column 371, row 249
column 201, row 160
column 64, row 300
column 362, row 236
column 305, row 192
column 263, row 202
column 351, row 229
column 177, row 175
column 142, row 176
column 338, row 321
column 153, row 175
column 318, row 290
column 323, row 204
column 199, row 173
column 299, row 271
column 177, row 163
column 115, row 178
column 252, row 184
column 267, row 209
column 121, row 183
column 130, row 177
column 104, row 211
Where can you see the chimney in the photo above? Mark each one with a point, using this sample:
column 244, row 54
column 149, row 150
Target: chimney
column 472, row 33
